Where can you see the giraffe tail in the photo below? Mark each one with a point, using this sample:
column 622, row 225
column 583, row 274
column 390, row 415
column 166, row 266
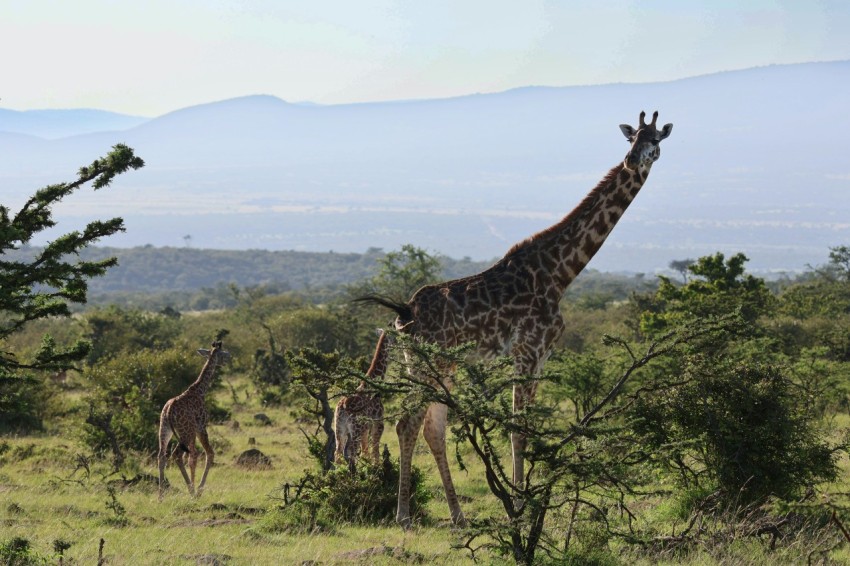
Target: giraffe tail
column 403, row 310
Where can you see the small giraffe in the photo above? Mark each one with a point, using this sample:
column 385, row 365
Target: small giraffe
column 513, row 308
column 359, row 418
column 185, row 417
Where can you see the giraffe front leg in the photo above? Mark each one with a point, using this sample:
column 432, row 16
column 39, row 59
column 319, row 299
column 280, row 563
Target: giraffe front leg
column 408, row 430
column 377, row 432
column 193, row 463
column 435, row 436
column 523, row 396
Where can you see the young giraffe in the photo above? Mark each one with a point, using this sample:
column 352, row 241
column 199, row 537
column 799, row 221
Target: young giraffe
column 359, row 418
column 185, row 416
column 512, row 308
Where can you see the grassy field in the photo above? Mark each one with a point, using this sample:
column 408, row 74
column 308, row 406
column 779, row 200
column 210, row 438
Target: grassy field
column 47, row 495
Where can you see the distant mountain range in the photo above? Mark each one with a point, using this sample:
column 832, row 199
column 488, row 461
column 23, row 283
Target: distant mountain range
column 52, row 124
column 757, row 162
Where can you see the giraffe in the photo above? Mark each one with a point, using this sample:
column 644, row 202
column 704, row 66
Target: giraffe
column 359, row 418
column 185, row 417
column 512, row 308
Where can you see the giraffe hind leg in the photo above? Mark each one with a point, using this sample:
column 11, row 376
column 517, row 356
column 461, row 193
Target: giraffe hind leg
column 353, row 447
column 178, row 452
column 340, row 427
column 162, row 457
column 408, row 430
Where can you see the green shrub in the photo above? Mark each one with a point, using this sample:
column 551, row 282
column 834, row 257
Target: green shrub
column 745, row 427
column 17, row 552
column 367, row 495
column 132, row 389
column 114, row 331
column 22, row 403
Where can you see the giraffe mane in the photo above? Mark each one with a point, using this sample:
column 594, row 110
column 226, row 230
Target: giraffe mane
column 588, row 201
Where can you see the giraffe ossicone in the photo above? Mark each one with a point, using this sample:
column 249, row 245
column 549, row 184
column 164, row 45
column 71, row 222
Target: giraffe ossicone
column 185, row 417
column 513, row 308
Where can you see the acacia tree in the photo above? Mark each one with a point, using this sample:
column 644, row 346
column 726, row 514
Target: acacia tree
column 577, row 466
column 40, row 283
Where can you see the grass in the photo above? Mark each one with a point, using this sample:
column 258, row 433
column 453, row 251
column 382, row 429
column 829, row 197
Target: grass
column 45, row 495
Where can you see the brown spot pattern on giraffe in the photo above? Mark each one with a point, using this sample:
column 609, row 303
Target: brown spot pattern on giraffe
column 512, row 308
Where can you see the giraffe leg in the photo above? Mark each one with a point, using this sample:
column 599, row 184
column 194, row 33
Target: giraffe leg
column 209, row 457
column 355, row 441
column 339, row 451
column 435, row 435
column 162, row 457
column 177, row 454
column 366, row 440
column 523, row 396
column 342, row 433
column 377, row 432
column 408, row 430
column 193, row 463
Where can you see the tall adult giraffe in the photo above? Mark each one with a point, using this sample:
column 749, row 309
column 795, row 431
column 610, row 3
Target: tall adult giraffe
column 185, row 417
column 512, row 308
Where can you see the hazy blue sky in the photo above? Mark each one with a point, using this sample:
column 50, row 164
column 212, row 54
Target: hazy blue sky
column 155, row 56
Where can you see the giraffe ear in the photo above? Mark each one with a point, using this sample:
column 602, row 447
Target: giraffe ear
column 665, row 131
column 628, row 131
column 203, row 352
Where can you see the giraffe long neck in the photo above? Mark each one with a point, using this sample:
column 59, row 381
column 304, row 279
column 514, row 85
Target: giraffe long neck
column 202, row 384
column 380, row 361
column 566, row 248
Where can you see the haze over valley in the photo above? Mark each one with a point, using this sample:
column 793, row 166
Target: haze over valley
column 756, row 163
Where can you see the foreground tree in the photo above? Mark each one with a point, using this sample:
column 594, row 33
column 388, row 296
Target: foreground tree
column 41, row 284
column 577, row 466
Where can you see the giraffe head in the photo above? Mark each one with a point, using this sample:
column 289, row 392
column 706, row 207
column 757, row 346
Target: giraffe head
column 645, row 142
column 217, row 353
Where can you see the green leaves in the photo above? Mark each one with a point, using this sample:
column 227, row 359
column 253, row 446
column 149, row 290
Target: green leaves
column 39, row 285
column 719, row 287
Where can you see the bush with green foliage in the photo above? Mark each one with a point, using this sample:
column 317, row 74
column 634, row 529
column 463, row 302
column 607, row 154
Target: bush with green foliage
column 113, row 331
column 130, row 391
column 17, row 552
column 718, row 287
column 733, row 419
column 746, row 428
column 367, row 496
